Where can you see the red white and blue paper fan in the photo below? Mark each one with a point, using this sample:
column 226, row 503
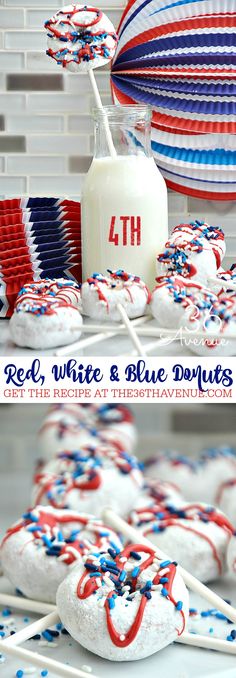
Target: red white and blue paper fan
column 179, row 57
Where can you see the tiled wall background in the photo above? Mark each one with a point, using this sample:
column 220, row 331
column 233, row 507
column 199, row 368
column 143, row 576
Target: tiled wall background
column 46, row 136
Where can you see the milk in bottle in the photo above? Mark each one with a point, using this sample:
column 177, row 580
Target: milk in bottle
column 124, row 200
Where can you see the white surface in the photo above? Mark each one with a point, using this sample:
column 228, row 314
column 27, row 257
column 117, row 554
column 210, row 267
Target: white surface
column 176, row 661
column 118, row 345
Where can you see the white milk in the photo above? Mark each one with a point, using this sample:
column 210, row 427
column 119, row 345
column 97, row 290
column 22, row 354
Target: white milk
column 124, row 216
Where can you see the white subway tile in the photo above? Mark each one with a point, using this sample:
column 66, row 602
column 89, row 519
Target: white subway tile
column 11, row 61
column 34, row 123
column 26, row 40
column 2, row 84
column 12, row 102
column 12, row 18
column 70, row 145
column 2, row 165
column 40, row 62
column 12, row 185
column 30, row 3
column 35, row 18
column 64, row 185
column 80, row 123
column 58, row 103
column 177, row 203
column 81, row 82
column 31, row 164
column 1, row 40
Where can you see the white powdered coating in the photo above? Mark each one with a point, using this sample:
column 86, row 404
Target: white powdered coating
column 204, row 262
column 191, row 550
column 68, row 429
column 227, row 500
column 46, row 331
column 169, row 469
column 116, row 489
column 220, row 345
column 86, row 619
column 156, row 489
column 131, row 295
column 231, row 555
column 104, row 24
column 212, row 473
column 28, row 567
column 172, row 312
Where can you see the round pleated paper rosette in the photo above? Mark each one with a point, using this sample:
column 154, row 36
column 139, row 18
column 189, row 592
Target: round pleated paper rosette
column 179, row 56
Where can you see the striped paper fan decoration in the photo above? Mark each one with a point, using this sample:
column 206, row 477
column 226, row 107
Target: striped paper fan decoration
column 179, row 57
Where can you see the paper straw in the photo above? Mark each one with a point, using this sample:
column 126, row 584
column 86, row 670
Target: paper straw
column 112, row 519
column 98, row 100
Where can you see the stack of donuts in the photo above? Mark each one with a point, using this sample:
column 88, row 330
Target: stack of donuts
column 190, row 293
column 110, row 593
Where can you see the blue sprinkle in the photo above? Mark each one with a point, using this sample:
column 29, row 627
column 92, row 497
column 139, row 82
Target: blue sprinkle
column 206, row 613
column 111, row 603
column 179, row 605
column 6, row 612
column 135, row 572
column 165, row 563
column 233, row 633
column 2, row 634
column 47, row 636
column 148, row 594
column 44, row 673
column 211, row 630
column 229, row 638
column 135, row 555
column 164, row 592
column 19, row 673
column 164, row 580
column 122, row 576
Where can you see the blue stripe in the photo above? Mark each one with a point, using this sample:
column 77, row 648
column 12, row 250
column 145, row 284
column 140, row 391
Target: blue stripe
column 154, row 47
column 222, row 89
column 129, row 59
column 203, row 181
column 218, row 156
column 180, row 104
column 179, row 3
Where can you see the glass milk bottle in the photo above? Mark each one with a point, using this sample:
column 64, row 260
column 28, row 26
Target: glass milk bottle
column 124, row 198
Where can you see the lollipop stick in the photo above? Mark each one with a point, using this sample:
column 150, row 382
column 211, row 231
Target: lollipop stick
column 32, row 629
column 112, row 519
column 225, row 284
column 196, row 640
column 36, row 659
column 98, row 100
column 133, row 336
column 26, row 604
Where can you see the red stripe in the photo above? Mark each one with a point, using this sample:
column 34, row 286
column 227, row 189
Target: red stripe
column 208, row 195
column 177, row 125
column 216, row 21
column 178, row 72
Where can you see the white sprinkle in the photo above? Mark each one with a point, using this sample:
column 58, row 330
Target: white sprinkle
column 123, row 559
column 122, row 637
column 29, row 671
column 2, row 659
column 87, row 668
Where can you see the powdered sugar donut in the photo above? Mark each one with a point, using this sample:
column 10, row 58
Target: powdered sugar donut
column 177, row 301
column 214, row 236
column 43, row 322
column 192, row 259
column 226, row 498
column 222, row 325
column 124, row 606
column 38, row 552
column 215, row 466
column 174, row 468
column 157, row 491
column 56, row 288
column 196, row 535
column 81, row 37
column 88, row 480
column 71, row 427
column 101, row 294
column 231, row 555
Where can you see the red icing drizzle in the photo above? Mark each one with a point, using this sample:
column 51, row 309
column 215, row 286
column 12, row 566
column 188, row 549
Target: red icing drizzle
column 51, row 520
column 224, row 486
column 88, row 585
column 169, row 519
